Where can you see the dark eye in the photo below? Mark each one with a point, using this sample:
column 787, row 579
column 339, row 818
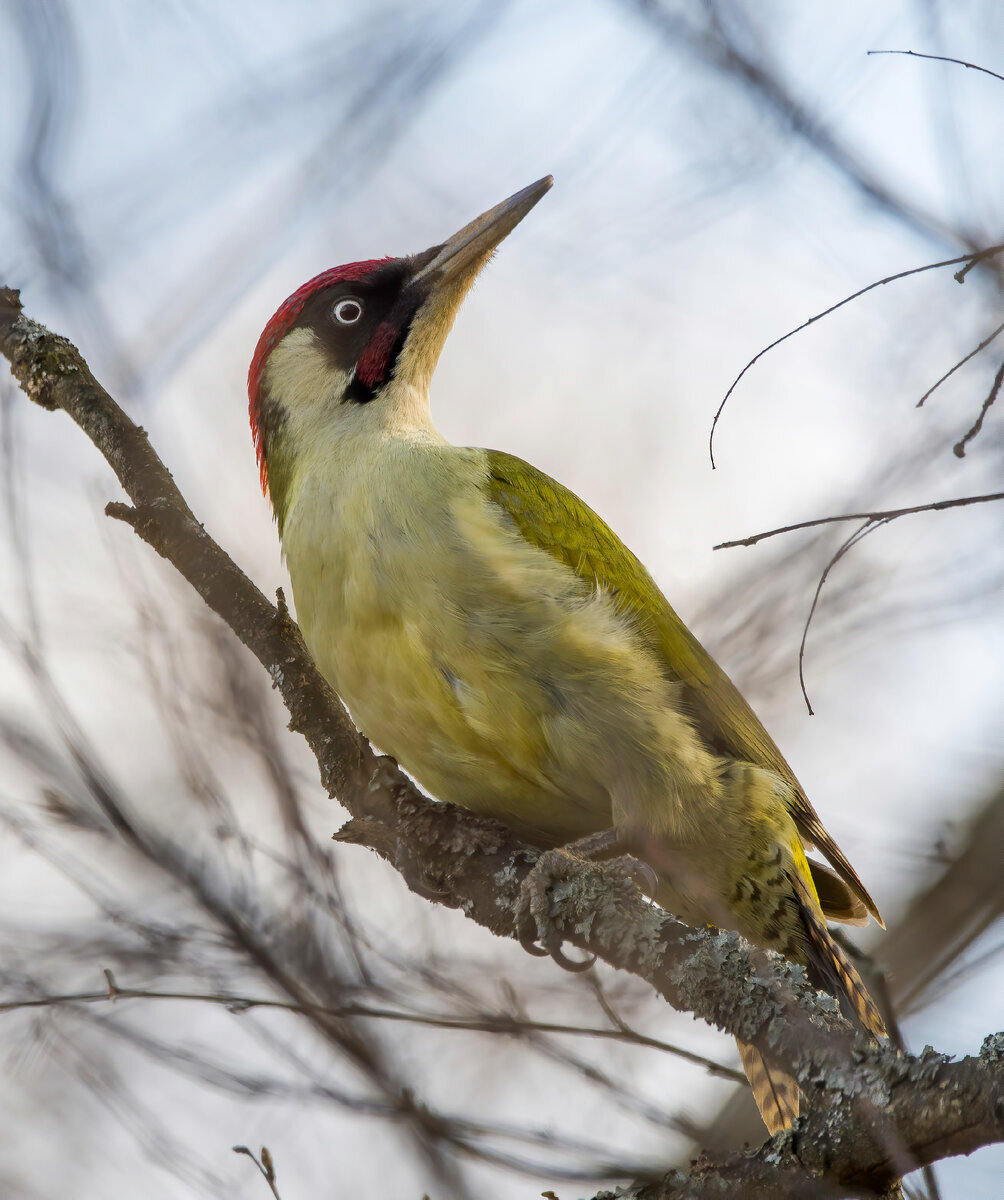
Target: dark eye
column 347, row 311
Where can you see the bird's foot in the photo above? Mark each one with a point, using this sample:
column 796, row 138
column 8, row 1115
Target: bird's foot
column 537, row 930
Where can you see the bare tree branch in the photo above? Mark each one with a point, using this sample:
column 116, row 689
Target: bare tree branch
column 513, row 1025
column 710, row 35
column 876, row 1111
column 959, row 449
column 264, row 1164
column 941, row 58
column 969, row 259
column 961, row 363
column 786, row 1167
column 873, row 518
column 960, row 903
column 872, row 521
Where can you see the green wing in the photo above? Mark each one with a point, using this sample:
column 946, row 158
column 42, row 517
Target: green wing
column 556, row 520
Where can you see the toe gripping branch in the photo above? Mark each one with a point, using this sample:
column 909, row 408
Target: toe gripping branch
column 535, row 922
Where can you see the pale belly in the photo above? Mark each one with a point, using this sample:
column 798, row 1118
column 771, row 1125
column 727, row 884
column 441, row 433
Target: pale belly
column 438, row 684
column 485, row 667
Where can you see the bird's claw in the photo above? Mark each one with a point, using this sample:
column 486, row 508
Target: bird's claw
column 551, row 940
column 629, row 867
column 526, row 932
column 575, row 966
column 536, row 929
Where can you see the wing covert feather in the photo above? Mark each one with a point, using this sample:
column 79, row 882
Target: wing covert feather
column 553, row 518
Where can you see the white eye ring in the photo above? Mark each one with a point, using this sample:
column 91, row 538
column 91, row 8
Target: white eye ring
column 348, row 311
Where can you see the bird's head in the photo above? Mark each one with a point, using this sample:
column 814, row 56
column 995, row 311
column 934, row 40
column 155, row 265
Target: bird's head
column 357, row 345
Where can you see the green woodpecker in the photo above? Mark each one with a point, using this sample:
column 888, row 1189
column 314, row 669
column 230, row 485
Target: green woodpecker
column 492, row 634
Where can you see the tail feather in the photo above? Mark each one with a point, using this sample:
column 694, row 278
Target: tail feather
column 836, row 972
column 836, row 899
column 776, row 1093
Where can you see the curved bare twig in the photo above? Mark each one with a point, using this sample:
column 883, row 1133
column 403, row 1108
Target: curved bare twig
column 872, row 521
column 969, row 259
column 961, row 363
column 941, row 58
column 959, row 449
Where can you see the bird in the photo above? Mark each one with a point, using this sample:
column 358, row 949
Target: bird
column 492, row 634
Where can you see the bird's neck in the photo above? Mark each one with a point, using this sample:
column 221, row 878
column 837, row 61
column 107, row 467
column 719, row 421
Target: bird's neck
column 337, row 457
column 314, row 433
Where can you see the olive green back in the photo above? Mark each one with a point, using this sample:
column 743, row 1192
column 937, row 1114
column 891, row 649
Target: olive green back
column 555, row 519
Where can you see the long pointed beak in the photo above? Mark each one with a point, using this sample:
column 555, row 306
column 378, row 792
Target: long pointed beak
column 442, row 276
column 471, row 246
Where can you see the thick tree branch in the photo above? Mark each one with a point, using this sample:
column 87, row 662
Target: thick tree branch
column 877, row 1112
column 844, row 1150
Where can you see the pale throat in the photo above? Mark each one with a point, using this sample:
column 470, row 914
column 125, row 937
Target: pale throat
column 313, row 433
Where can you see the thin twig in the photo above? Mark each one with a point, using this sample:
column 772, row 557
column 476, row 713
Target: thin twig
column 942, row 58
column 872, row 521
column 622, row 1029
column 487, row 1024
column 969, row 259
column 888, row 515
column 959, row 449
column 843, row 549
column 960, row 275
column 264, row 1164
column 961, row 363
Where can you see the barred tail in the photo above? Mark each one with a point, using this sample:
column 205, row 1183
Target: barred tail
column 836, row 972
column 775, row 1091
